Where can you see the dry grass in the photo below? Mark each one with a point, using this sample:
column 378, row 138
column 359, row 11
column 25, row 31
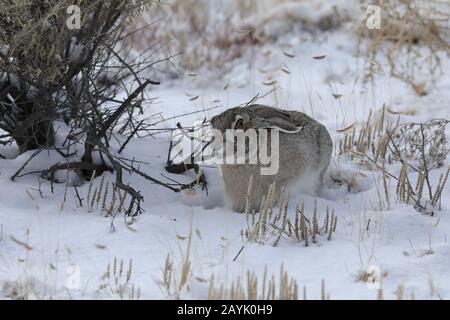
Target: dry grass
column 252, row 288
column 418, row 147
column 108, row 201
column 117, row 281
column 271, row 224
column 413, row 39
column 408, row 194
column 190, row 27
column 370, row 138
column 210, row 35
column 384, row 139
column 176, row 280
column 270, row 287
column 36, row 35
column 24, row 288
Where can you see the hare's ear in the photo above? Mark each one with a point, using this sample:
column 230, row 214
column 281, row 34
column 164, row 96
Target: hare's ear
column 213, row 121
column 281, row 124
column 239, row 122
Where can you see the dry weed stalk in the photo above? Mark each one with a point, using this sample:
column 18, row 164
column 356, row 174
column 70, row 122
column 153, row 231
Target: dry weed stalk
column 59, row 74
column 270, row 225
column 425, row 143
column 410, row 195
column 176, row 280
column 217, row 40
column 110, row 203
column 102, row 182
column 371, row 138
column 413, row 39
column 91, row 181
column 286, row 288
column 117, row 281
column 268, row 288
column 419, row 147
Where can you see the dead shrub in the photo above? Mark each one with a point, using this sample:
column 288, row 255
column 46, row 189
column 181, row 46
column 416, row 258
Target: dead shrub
column 413, row 38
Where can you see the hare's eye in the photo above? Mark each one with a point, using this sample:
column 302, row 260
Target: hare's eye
column 239, row 125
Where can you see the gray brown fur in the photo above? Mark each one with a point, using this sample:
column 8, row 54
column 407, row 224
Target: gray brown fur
column 307, row 151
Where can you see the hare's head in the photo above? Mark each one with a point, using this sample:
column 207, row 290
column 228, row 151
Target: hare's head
column 243, row 118
column 234, row 118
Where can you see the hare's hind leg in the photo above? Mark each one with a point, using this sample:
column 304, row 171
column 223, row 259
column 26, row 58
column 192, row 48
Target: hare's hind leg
column 323, row 173
column 320, row 182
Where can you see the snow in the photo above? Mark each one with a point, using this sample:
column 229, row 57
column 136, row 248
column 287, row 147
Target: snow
column 43, row 241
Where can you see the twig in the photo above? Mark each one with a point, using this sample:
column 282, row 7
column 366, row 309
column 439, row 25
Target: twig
column 130, row 136
column 35, row 153
column 238, row 254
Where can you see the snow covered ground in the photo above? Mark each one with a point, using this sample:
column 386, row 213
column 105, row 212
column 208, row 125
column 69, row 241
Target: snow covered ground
column 53, row 250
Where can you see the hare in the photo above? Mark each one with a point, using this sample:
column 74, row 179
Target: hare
column 305, row 149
